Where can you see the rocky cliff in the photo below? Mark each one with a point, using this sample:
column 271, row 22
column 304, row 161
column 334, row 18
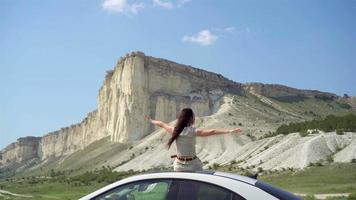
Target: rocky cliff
column 141, row 84
column 138, row 85
column 23, row 149
column 145, row 85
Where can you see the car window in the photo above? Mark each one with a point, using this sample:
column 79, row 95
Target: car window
column 140, row 190
column 194, row 190
column 276, row 192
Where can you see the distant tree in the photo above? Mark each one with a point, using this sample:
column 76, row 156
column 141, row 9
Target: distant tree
column 339, row 132
column 330, row 123
column 303, row 133
column 330, row 159
column 352, row 196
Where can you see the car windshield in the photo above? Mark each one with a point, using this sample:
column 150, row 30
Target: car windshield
column 147, row 190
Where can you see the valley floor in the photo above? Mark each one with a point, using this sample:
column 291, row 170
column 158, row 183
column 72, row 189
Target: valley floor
column 325, row 181
column 333, row 178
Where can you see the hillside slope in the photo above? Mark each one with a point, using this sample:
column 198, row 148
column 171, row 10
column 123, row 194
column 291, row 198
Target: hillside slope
column 116, row 134
column 248, row 150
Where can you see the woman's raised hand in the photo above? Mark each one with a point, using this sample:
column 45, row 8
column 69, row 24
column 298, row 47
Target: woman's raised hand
column 236, row 130
column 147, row 118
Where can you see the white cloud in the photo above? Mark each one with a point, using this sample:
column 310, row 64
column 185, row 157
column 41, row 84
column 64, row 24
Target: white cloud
column 182, row 2
column 128, row 8
column 230, row 29
column 121, row 6
column 169, row 4
column 134, row 8
column 163, row 3
column 247, row 31
column 204, row 37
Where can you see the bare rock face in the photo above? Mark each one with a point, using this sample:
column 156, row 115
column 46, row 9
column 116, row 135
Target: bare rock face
column 145, row 85
column 138, row 85
column 23, row 149
column 70, row 139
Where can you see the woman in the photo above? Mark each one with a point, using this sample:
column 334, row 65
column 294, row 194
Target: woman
column 184, row 136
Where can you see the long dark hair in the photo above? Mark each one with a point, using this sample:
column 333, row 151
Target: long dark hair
column 186, row 118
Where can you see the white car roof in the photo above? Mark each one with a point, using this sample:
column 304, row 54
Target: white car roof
column 236, row 177
column 241, row 185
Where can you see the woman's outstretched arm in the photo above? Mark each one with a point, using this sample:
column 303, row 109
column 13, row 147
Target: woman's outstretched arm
column 161, row 124
column 202, row 132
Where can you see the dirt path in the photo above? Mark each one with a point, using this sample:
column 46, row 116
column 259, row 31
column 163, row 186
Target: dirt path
column 4, row 192
column 325, row 196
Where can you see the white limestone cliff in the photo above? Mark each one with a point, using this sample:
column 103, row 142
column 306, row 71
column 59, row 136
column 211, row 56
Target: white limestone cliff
column 23, row 149
column 145, row 85
column 138, row 85
column 141, row 84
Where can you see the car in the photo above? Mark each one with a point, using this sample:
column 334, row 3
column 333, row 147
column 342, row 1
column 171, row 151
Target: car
column 205, row 185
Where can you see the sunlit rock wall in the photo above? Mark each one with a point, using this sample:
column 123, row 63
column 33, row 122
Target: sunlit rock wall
column 23, row 149
column 142, row 85
column 138, row 85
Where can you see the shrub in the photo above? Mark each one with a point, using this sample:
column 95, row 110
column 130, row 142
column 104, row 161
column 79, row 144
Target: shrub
column 291, row 169
column 330, row 159
column 315, row 131
column 340, row 132
column 345, row 106
column 248, row 173
column 310, row 197
column 311, row 164
column 353, row 160
column 352, row 196
column 216, row 166
column 303, row 133
column 330, row 123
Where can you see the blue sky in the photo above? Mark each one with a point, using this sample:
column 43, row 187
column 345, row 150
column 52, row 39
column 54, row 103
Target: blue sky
column 54, row 54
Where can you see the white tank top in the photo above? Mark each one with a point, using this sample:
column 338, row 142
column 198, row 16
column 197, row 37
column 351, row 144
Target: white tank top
column 185, row 143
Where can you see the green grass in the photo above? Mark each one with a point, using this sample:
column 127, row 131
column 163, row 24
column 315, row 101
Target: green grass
column 48, row 190
column 157, row 193
column 333, row 178
column 311, row 108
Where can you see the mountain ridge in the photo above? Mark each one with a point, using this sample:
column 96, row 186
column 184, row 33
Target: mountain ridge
column 141, row 84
